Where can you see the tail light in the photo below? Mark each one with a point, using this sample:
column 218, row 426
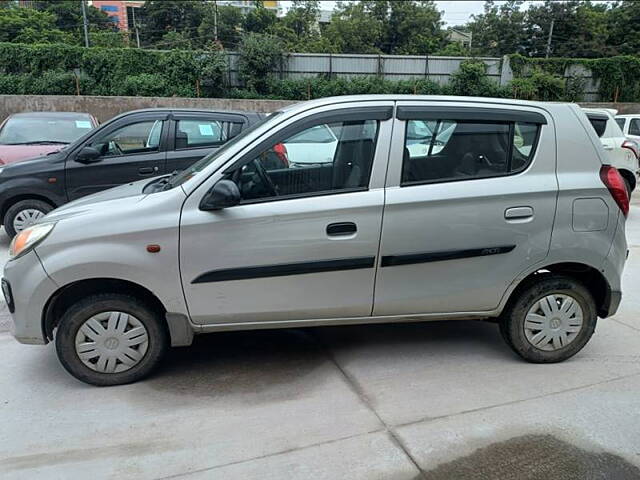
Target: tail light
column 633, row 146
column 281, row 151
column 616, row 186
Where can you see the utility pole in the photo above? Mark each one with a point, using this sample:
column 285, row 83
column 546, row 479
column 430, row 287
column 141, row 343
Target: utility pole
column 135, row 26
column 549, row 39
column 85, row 23
column 215, row 20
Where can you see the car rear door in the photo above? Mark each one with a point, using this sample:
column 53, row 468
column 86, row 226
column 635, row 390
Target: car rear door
column 303, row 243
column 469, row 210
column 132, row 148
column 196, row 134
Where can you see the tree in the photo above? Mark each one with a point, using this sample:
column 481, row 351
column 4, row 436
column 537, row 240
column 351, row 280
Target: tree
column 500, row 30
column 162, row 16
column 384, row 26
column 260, row 55
column 25, row 25
column 579, row 29
column 229, row 24
column 175, row 41
column 354, row 30
column 623, row 22
column 68, row 15
column 259, row 20
column 414, row 28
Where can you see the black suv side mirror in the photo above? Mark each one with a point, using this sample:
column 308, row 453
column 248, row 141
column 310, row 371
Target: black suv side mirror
column 88, row 155
column 223, row 194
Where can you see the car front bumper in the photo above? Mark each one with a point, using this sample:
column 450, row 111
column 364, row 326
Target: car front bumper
column 27, row 288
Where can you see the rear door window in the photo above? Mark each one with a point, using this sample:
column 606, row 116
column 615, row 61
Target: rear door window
column 634, row 127
column 449, row 150
column 198, row 133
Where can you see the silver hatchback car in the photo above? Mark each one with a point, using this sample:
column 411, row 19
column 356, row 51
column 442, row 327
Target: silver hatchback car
column 426, row 208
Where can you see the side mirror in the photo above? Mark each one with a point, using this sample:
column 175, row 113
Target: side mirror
column 223, row 194
column 88, row 155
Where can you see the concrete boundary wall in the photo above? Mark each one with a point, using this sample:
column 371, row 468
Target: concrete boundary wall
column 104, row 108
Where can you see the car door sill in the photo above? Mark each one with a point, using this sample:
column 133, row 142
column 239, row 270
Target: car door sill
column 219, row 327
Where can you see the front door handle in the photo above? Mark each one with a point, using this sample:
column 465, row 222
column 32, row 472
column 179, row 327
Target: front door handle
column 518, row 213
column 341, row 229
column 147, row 170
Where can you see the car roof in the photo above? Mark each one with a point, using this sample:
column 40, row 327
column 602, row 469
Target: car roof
column 433, row 98
column 49, row 115
column 628, row 115
column 190, row 110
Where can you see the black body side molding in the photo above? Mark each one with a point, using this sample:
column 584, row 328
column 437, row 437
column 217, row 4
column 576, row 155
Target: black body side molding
column 286, row 269
column 395, row 260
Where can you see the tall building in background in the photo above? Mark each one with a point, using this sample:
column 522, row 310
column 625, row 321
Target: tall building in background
column 248, row 5
column 123, row 13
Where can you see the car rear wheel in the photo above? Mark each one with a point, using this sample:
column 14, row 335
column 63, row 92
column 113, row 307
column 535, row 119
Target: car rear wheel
column 23, row 214
column 110, row 339
column 550, row 320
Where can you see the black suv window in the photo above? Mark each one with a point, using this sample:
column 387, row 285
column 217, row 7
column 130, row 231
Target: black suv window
column 194, row 133
column 446, row 150
column 140, row 137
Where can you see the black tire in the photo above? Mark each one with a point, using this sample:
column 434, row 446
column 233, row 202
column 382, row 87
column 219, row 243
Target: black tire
column 513, row 318
column 16, row 208
column 87, row 307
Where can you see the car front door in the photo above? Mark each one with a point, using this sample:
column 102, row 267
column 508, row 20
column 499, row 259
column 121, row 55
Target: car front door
column 194, row 135
column 303, row 242
column 468, row 211
column 130, row 149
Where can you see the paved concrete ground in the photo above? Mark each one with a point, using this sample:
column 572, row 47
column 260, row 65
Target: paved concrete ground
column 436, row 401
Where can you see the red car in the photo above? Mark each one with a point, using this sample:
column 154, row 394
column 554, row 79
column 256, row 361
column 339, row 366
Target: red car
column 32, row 134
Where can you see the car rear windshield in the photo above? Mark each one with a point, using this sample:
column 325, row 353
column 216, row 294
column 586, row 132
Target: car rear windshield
column 44, row 130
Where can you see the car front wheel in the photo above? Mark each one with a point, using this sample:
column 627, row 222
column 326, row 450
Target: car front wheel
column 110, row 339
column 23, row 214
column 550, row 320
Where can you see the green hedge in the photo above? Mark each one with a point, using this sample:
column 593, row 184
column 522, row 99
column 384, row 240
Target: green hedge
column 619, row 76
column 113, row 71
column 48, row 69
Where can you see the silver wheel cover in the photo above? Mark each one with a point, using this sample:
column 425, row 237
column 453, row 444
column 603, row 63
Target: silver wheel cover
column 25, row 218
column 111, row 342
column 553, row 322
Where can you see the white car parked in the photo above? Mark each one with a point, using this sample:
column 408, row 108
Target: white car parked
column 623, row 152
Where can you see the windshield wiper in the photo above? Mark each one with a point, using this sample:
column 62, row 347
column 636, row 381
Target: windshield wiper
column 40, row 142
column 166, row 181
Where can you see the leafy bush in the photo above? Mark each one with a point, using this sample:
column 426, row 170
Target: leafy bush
column 471, row 79
column 144, row 85
column 539, row 86
column 260, row 56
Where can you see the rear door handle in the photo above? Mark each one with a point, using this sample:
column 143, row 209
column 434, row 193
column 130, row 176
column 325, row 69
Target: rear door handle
column 515, row 213
column 147, row 170
column 341, row 229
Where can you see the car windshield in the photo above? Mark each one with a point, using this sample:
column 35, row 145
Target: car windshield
column 37, row 130
column 200, row 165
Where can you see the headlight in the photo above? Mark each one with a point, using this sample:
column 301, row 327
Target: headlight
column 28, row 238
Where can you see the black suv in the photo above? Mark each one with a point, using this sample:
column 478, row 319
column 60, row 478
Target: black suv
column 130, row 147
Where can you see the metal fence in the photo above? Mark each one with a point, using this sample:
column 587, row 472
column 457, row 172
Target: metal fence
column 397, row 67
column 390, row 67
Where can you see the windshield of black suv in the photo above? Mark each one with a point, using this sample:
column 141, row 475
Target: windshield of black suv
column 44, row 129
column 180, row 178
